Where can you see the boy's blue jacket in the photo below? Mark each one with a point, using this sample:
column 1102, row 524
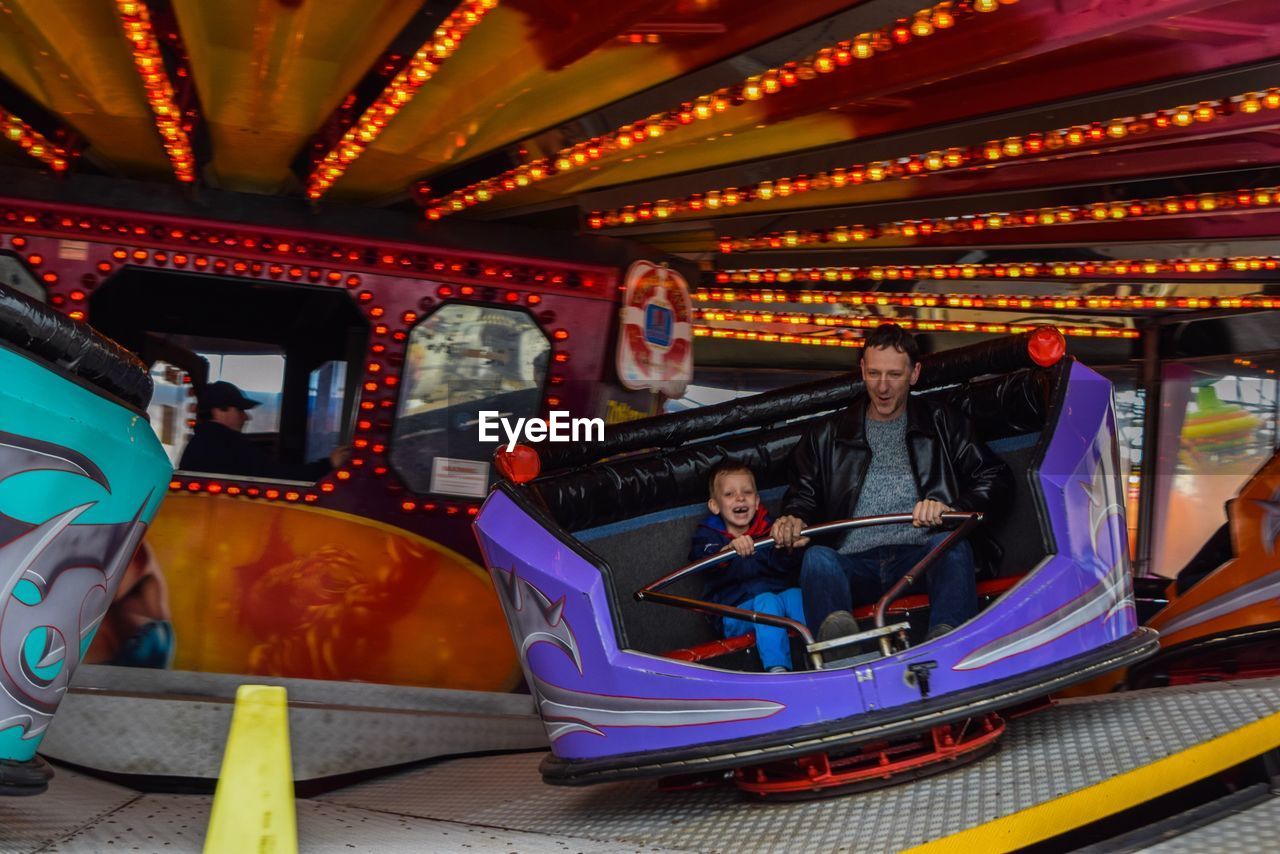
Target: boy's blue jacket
column 738, row 579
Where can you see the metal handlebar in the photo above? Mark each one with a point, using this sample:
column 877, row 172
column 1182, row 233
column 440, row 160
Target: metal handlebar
column 967, row 521
column 651, row 592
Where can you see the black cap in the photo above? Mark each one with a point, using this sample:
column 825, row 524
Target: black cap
column 221, row 394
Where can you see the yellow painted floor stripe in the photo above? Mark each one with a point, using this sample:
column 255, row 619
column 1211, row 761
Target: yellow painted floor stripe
column 1083, row 806
column 253, row 807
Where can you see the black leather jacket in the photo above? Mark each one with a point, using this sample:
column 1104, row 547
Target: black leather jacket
column 217, row 449
column 950, row 465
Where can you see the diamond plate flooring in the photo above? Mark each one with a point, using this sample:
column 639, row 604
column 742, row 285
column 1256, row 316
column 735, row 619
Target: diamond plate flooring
column 1074, row 745
column 73, row 801
column 176, row 823
column 1254, row 829
column 499, row 804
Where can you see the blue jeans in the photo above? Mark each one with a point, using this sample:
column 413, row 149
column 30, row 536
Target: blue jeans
column 772, row 642
column 836, row 582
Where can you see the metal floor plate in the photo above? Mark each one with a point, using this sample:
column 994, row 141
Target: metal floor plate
column 176, row 823
column 1254, row 829
column 73, row 801
column 148, row 823
column 499, row 804
column 1049, row 754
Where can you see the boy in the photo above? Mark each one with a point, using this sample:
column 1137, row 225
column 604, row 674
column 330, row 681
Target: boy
column 762, row 582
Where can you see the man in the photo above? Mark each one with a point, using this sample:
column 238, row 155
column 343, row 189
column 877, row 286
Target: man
column 218, row 444
column 888, row 452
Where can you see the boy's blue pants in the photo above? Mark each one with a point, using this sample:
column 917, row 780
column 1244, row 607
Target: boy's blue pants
column 772, row 642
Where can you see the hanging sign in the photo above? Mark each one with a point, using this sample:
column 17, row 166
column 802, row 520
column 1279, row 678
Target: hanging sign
column 655, row 344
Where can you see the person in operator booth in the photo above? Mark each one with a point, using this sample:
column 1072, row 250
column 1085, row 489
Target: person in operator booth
column 888, row 453
column 218, row 444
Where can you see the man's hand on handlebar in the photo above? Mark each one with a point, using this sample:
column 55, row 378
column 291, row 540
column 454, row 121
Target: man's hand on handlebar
column 928, row 513
column 743, row 544
column 786, row 532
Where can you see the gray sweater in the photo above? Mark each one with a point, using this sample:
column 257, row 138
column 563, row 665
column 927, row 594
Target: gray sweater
column 889, row 487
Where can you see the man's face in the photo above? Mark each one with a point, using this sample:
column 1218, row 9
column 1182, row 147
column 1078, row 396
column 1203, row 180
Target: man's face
column 735, row 501
column 889, row 376
column 231, row 416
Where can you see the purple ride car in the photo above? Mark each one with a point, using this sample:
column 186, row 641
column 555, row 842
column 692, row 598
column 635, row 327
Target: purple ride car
column 567, row 553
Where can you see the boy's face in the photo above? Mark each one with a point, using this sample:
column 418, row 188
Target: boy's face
column 735, row 501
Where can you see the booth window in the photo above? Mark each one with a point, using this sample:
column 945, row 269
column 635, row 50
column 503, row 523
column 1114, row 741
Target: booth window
column 462, row 360
column 296, row 349
column 15, row 276
column 260, row 375
column 326, row 400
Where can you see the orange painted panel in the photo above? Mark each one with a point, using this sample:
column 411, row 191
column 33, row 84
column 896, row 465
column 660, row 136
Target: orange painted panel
column 283, row 590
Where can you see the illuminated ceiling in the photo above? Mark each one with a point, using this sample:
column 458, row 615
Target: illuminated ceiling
column 790, row 139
